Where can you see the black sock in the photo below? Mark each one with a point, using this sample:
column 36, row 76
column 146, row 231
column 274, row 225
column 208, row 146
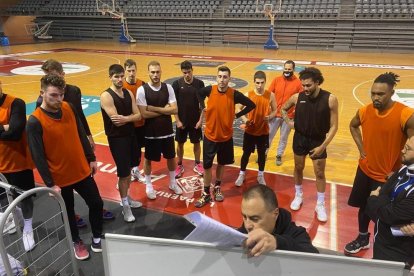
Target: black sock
column 207, row 189
column 218, row 183
column 197, row 161
column 179, row 163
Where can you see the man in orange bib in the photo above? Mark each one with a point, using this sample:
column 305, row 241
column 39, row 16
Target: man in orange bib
column 380, row 130
column 64, row 158
column 15, row 161
column 218, row 134
column 256, row 133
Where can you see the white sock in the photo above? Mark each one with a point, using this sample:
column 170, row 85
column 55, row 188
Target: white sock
column 321, row 197
column 125, row 201
column 28, row 227
column 172, row 178
column 260, row 173
column 96, row 240
column 148, row 180
column 242, row 172
column 298, row 189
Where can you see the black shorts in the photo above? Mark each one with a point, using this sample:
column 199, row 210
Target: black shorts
column 224, row 151
column 140, row 136
column 362, row 188
column 154, row 148
column 250, row 142
column 302, row 145
column 125, row 153
column 181, row 135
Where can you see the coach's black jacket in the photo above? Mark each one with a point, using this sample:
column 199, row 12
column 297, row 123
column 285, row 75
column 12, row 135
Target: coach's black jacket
column 288, row 235
column 386, row 213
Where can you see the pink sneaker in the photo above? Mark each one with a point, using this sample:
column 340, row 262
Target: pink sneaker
column 198, row 168
column 179, row 171
column 81, row 253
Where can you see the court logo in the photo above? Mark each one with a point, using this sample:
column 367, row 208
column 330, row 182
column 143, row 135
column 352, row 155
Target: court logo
column 190, row 184
column 204, row 63
column 235, row 83
column 276, row 67
column 405, row 96
column 36, row 70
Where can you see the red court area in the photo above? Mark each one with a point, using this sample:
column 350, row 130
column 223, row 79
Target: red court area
column 334, row 234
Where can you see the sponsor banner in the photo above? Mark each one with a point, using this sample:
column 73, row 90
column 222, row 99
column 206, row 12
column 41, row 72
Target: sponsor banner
column 90, row 105
column 405, row 96
column 235, row 83
column 202, row 63
column 276, row 67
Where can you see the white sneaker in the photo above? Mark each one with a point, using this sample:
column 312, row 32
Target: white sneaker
column 136, row 175
column 128, row 216
column 151, row 193
column 261, row 180
column 177, row 190
column 321, row 212
column 28, row 240
column 9, row 226
column 132, row 203
column 239, row 180
column 297, row 202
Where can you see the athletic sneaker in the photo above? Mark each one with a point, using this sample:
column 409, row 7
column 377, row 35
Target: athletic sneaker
column 239, row 180
column 278, row 160
column 96, row 246
column 218, row 195
column 321, row 212
column 9, row 226
column 179, row 170
column 297, row 202
column 81, row 253
column 80, row 222
column 261, row 180
column 136, row 175
column 132, row 203
column 128, row 216
column 361, row 242
column 107, row 215
column 28, row 240
column 151, row 193
column 203, row 200
column 177, row 190
column 198, row 168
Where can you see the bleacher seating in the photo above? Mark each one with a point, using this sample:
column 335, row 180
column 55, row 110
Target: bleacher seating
column 384, row 8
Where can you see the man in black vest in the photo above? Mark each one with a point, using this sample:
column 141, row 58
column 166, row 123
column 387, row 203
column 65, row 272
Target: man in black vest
column 156, row 102
column 315, row 123
column 119, row 111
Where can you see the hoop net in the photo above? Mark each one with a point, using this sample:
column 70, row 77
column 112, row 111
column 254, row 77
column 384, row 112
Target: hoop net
column 270, row 8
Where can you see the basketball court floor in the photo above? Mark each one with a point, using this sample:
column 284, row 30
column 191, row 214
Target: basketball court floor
column 348, row 75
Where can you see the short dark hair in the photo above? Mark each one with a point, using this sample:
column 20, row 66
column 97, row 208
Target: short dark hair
column 259, row 75
column 51, row 65
column 389, row 78
column 129, row 62
column 154, row 63
column 52, row 80
column 265, row 193
column 224, row 69
column 186, row 65
column 116, row 69
column 311, row 73
column 290, row 62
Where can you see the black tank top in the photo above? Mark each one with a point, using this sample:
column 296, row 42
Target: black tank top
column 162, row 125
column 123, row 107
column 312, row 115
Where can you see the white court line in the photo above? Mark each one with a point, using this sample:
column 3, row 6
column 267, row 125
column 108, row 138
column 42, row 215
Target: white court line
column 333, row 241
column 97, row 134
column 239, row 65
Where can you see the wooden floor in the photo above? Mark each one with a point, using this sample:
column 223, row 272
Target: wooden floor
column 350, row 84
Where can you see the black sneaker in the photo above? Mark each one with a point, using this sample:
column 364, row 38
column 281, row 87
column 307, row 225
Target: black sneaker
column 203, row 200
column 96, row 247
column 361, row 242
